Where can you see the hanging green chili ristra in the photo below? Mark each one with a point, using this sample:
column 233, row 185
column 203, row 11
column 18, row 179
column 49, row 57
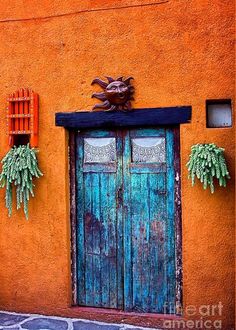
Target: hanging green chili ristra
column 20, row 166
column 207, row 161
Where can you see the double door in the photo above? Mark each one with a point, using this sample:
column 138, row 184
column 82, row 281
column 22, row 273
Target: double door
column 125, row 219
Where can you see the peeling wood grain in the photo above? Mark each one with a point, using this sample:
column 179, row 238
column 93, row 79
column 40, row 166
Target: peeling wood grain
column 94, row 220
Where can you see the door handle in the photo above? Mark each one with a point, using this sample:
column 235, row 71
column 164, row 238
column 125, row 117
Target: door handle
column 120, row 195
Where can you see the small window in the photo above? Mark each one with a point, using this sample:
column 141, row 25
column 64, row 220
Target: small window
column 99, row 150
column 219, row 114
column 148, row 150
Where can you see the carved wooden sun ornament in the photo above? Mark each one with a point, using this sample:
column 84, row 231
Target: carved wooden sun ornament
column 117, row 94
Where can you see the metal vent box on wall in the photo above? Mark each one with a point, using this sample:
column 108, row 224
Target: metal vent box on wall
column 219, row 114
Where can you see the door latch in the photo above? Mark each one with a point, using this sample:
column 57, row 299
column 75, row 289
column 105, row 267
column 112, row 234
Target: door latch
column 120, row 195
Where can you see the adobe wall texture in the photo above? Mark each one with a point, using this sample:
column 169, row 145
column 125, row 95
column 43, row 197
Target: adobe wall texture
column 180, row 53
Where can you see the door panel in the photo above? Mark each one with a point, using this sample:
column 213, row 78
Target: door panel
column 125, row 216
column 149, row 235
column 98, row 179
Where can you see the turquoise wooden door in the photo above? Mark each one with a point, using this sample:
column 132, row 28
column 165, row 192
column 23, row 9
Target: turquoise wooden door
column 125, row 217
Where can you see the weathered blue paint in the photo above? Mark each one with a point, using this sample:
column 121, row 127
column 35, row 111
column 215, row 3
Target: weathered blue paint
column 170, row 178
column 126, row 229
column 99, row 264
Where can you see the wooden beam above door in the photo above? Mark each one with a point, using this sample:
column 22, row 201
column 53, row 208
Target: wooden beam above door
column 134, row 118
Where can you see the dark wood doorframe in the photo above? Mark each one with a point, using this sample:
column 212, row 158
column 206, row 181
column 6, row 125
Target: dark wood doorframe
column 178, row 222
column 73, row 215
column 178, row 219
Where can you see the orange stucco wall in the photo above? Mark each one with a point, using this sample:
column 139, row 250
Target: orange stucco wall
column 180, row 53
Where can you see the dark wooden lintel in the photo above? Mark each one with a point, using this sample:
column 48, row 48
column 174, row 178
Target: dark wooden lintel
column 134, row 118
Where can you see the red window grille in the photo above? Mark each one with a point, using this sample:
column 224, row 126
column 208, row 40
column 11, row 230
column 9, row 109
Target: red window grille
column 22, row 116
